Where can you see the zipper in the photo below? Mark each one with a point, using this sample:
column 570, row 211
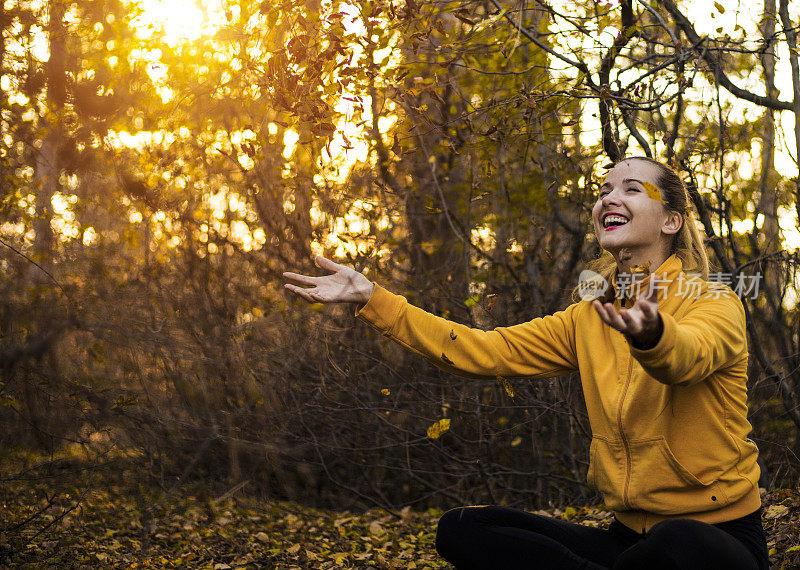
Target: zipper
column 622, row 435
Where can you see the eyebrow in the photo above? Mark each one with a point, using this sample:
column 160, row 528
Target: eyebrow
column 626, row 181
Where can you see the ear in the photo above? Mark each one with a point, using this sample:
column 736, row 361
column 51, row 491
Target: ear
column 672, row 224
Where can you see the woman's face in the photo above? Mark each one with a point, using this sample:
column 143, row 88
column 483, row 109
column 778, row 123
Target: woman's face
column 629, row 212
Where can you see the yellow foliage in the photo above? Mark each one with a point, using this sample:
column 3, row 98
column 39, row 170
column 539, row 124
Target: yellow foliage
column 439, row 428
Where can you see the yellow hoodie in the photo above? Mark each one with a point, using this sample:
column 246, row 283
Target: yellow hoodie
column 669, row 424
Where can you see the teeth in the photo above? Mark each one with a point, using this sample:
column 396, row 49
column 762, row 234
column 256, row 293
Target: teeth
column 614, row 218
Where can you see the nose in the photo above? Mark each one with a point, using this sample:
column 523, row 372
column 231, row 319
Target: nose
column 610, row 198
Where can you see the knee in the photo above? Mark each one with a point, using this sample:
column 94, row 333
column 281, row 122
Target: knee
column 452, row 528
column 447, row 531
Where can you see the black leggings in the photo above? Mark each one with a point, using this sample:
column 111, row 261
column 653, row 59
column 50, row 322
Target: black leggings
column 498, row 537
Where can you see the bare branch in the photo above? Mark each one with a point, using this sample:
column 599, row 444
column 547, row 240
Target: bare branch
column 714, row 62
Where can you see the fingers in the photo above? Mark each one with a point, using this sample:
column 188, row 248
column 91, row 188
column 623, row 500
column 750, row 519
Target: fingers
column 326, row 263
column 304, row 279
column 648, row 304
column 338, row 286
column 649, row 310
column 304, row 293
column 601, row 310
column 631, row 323
column 652, row 294
column 626, row 321
column 609, row 315
column 322, row 262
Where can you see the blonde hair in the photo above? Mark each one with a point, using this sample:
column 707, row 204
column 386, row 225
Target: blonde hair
column 687, row 244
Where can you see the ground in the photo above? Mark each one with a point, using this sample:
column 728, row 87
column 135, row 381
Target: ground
column 96, row 524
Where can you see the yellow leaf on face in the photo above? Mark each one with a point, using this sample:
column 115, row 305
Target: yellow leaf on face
column 439, row 428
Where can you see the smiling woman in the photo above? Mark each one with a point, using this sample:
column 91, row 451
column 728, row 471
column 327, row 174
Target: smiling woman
column 179, row 20
column 662, row 472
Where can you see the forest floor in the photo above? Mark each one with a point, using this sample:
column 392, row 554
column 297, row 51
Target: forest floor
column 83, row 521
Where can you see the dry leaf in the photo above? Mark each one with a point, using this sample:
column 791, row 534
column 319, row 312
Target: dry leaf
column 775, row 511
column 439, row 428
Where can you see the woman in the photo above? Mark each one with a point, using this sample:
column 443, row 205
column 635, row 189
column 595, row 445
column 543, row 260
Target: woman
column 663, row 364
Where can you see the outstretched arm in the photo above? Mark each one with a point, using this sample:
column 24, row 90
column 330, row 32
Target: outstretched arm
column 708, row 337
column 539, row 348
column 343, row 285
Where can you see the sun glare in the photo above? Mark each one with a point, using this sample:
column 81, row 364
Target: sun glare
column 179, row 20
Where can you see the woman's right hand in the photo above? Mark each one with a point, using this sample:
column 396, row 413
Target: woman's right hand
column 344, row 285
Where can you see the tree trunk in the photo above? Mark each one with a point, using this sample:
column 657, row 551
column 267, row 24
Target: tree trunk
column 47, row 168
column 768, row 192
column 791, row 40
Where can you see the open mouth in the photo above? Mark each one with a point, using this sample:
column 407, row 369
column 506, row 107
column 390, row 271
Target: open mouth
column 612, row 221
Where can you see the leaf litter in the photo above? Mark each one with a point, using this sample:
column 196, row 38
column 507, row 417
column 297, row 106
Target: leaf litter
column 124, row 526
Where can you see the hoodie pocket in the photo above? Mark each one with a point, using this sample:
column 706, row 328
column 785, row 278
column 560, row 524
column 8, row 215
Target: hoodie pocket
column 661, row 484
column 607, row 470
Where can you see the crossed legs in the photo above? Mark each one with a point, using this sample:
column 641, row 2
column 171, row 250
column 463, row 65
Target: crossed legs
column 474, row 538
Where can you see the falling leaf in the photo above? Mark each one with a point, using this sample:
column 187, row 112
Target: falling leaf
column 720, row 8
column 385, row 391
column 506, row 386
column 439, row 428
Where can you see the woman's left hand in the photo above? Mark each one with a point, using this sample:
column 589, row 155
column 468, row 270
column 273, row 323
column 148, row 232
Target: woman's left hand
column 641, row 323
